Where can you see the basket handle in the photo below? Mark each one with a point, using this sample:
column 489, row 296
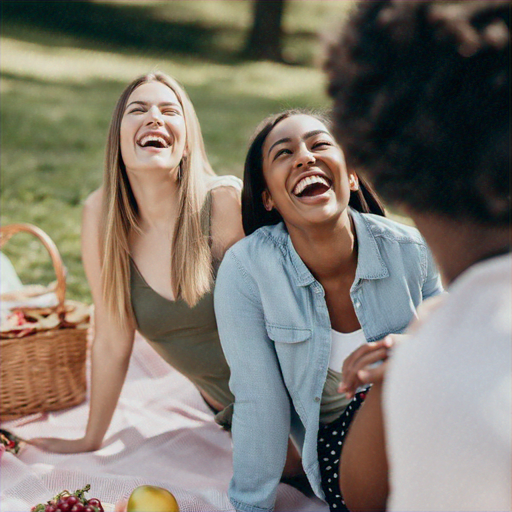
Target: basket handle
column 6, row 232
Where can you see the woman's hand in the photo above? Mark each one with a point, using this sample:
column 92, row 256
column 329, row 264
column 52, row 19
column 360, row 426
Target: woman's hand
column 52, row 444
column 363, row 366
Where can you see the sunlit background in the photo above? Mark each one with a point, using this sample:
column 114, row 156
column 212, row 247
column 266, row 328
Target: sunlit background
column 64, row 64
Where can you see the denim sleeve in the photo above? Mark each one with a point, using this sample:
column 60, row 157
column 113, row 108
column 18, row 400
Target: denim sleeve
column 432, row 282
column 261, row 418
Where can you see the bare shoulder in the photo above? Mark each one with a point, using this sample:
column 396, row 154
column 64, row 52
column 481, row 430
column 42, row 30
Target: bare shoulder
column 91, row 219
column 226, row 217
column 94, row 203
column 226, row 196
column 92, row 212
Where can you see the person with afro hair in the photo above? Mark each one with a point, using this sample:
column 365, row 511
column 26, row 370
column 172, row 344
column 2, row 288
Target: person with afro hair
column 421, row 93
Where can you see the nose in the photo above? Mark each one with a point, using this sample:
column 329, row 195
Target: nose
column 154, row 116
column 304, row 157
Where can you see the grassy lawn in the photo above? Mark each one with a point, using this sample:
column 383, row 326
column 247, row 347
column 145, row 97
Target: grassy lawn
column 59, row 86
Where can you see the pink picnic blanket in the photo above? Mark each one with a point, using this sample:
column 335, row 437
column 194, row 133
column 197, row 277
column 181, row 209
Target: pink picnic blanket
column 162, row 434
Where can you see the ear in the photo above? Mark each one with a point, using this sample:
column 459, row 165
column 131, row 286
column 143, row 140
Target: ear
column 353, row 181
column 267, row 200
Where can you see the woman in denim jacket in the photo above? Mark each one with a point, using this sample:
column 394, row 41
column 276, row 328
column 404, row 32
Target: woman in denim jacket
column 315, row 279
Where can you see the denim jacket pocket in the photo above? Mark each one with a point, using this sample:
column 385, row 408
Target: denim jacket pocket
column 283, row 334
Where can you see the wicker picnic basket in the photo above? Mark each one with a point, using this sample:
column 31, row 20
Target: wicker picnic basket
column 43, row 371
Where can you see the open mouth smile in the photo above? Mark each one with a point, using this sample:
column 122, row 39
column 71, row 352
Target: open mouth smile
column 154, row 140
column 312, row 185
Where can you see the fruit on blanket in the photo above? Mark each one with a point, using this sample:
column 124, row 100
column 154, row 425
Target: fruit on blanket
column 67, row 502
column 148, row 498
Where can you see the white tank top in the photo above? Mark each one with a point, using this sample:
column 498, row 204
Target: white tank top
column 343, row 344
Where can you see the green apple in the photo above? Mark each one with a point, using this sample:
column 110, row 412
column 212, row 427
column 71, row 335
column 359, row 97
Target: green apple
column 148, row 498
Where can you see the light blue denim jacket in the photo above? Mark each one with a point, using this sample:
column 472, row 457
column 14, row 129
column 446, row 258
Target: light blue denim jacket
column 276, row 334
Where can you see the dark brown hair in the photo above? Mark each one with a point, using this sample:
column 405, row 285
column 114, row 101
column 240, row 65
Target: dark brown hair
column 421, row 95
column 254, row 214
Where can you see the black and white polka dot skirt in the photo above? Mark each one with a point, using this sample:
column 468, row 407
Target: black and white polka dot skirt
column 330, row 443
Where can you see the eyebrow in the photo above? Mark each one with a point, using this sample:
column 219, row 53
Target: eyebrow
column 304, row 137
column 163, row 104
column 280, row 141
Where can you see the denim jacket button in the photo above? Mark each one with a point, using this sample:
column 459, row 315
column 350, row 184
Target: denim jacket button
column 317, row 399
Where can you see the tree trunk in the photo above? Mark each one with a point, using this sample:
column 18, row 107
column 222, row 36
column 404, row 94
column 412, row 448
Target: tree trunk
column 264, row 42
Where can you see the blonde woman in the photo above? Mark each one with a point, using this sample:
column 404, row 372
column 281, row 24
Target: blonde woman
column 152, row 238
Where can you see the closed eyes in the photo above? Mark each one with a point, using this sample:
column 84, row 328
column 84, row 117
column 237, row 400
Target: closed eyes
column 165, row 112
column 321, row 144
column 171, row 112
column 317, row 145
column 283, row 151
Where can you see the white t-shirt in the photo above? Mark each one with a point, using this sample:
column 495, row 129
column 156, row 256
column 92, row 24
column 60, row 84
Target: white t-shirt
column 448, row 401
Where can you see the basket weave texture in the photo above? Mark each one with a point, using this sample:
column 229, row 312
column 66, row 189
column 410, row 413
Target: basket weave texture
column 43, row 371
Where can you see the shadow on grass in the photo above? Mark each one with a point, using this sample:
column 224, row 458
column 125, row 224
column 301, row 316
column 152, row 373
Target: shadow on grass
column 123, row 28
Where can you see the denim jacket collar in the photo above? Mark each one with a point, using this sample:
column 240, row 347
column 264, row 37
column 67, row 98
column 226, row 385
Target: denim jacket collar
column 370, row 264
column 286, row 333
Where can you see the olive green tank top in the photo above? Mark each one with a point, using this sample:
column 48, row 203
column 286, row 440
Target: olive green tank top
column 185, row 337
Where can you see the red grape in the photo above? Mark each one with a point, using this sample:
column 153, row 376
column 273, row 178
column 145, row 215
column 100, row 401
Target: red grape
column 67, row 502
column 95, row 502
column 63, row 505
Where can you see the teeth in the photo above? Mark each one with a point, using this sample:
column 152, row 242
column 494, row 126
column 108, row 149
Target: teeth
column 309, row 180
column 153, row 138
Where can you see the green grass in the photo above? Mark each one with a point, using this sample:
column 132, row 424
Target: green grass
column 215, row 30
column 59, row 86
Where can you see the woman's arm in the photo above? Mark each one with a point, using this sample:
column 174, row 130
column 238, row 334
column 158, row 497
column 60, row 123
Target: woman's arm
column 363, row 472
column 111, row 348
column 363, row 475
column 261, row 420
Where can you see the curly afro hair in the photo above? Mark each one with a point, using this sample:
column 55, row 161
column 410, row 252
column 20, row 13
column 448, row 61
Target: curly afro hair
column 421, row 104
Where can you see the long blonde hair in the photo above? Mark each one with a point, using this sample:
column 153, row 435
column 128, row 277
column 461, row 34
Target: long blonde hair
column 191, row 272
